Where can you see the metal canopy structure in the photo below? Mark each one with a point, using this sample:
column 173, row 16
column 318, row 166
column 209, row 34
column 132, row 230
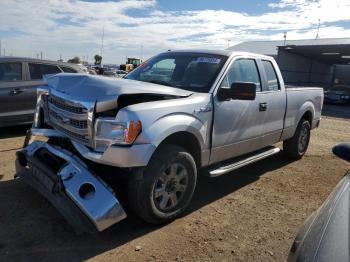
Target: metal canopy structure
column 326, row 53
column 307, row 47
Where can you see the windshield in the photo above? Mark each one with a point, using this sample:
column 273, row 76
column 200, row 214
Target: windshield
column 190, row 71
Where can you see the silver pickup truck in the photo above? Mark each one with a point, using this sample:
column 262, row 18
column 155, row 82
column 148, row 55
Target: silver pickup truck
column 177, row 113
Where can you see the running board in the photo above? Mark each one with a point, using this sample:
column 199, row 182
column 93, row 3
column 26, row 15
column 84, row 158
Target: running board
column 247, row 161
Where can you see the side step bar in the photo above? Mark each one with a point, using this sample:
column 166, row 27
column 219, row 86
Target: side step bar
column 247, row 161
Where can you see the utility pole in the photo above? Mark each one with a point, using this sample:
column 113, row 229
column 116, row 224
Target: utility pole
column 228, row 43
column 0, row 47
column 285, row 38
column 103, row 35
column 318, row 29
column 141, row 53
column 41, row 55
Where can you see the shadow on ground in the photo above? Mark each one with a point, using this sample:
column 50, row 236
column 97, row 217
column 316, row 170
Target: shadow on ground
column 13, row 131
column 35, row 231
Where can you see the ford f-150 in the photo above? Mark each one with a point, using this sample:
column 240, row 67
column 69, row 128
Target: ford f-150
column 177, row 113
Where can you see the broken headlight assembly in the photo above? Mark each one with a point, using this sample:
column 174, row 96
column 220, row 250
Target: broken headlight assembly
column 42, row 93
column 111, row 132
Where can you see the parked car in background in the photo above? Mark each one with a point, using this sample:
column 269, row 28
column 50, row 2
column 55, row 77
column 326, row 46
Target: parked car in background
column 19, row 78
column 115, row 73
column 325, row 236
column 110, row 73
column 339, row 94
column 121, row 73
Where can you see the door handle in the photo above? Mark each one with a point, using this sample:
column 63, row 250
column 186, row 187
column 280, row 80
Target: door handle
column 15, row 91
column 262, row 107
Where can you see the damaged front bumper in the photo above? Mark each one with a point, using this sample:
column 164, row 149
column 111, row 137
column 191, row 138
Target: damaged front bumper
column 85, row 201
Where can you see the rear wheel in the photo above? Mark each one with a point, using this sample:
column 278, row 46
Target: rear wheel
column 296, row 146
column 166, row 187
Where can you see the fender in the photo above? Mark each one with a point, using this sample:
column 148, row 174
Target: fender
column 291, row 127
column 173, row 123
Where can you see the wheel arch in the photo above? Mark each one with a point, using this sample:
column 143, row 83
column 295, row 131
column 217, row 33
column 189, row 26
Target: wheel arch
column 186, row 140
column 306, row 111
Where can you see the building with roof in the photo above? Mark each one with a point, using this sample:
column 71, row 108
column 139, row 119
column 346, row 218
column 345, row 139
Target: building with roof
column 312, row 62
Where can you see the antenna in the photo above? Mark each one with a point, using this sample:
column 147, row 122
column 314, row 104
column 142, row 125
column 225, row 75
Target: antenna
column 318, row 29
column 103, row 35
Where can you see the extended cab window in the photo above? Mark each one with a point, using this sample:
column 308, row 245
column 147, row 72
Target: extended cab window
column 272, row 80
column 10, row 71
column 38, row 70
column 243, row 70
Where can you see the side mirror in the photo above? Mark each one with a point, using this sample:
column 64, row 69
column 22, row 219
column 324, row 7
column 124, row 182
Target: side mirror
column 342, row 150
column 238, row 91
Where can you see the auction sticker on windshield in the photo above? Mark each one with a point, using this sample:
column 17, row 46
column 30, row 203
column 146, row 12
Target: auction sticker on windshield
column 210, row 60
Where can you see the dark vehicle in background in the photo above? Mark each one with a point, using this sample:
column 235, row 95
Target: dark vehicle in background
column 19, row 78
column 339, row 94
column 325, row 236
column 115, row 73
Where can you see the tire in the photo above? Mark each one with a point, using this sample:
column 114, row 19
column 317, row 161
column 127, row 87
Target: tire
column 296, row 146
column 166, row 187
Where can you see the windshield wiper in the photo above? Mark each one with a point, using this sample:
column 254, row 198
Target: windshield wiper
column 160, row 82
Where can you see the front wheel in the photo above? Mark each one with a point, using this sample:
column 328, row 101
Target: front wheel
column 166, row 187
column 296, row 146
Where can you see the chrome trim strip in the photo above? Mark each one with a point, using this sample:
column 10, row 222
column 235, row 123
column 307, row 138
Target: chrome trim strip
column 46, row 132
column 68, row 114
column 15, row 113
column 68, row 127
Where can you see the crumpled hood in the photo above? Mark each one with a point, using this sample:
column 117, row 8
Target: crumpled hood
column 92, row 88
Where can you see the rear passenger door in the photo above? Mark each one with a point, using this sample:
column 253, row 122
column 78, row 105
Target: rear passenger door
column 35, row 72
column 13, row 105
column 275, row 103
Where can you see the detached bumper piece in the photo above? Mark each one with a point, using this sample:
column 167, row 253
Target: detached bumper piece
column 85, row 201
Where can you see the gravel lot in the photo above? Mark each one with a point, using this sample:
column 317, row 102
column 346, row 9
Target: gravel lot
column 251, row 214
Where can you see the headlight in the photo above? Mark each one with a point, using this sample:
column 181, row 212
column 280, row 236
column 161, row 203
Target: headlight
column 109, row 132
column 344, row 97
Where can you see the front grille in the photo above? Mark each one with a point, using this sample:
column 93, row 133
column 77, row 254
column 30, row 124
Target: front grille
column 75, row 136
column 81, row 124
column 70, row 118
column 66, row 105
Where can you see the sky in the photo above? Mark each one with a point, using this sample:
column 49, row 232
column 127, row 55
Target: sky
column 143, row 28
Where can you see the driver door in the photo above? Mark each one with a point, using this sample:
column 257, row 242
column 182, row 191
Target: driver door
column 238, row 125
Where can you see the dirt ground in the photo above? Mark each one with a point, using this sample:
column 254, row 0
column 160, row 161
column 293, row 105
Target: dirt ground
column 251, row 214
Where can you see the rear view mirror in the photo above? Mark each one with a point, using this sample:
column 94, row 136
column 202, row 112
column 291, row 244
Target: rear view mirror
column 342, row 150
column 238, row 91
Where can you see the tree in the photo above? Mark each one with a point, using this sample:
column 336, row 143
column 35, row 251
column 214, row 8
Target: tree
column 98, row 60
column 74, row 60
